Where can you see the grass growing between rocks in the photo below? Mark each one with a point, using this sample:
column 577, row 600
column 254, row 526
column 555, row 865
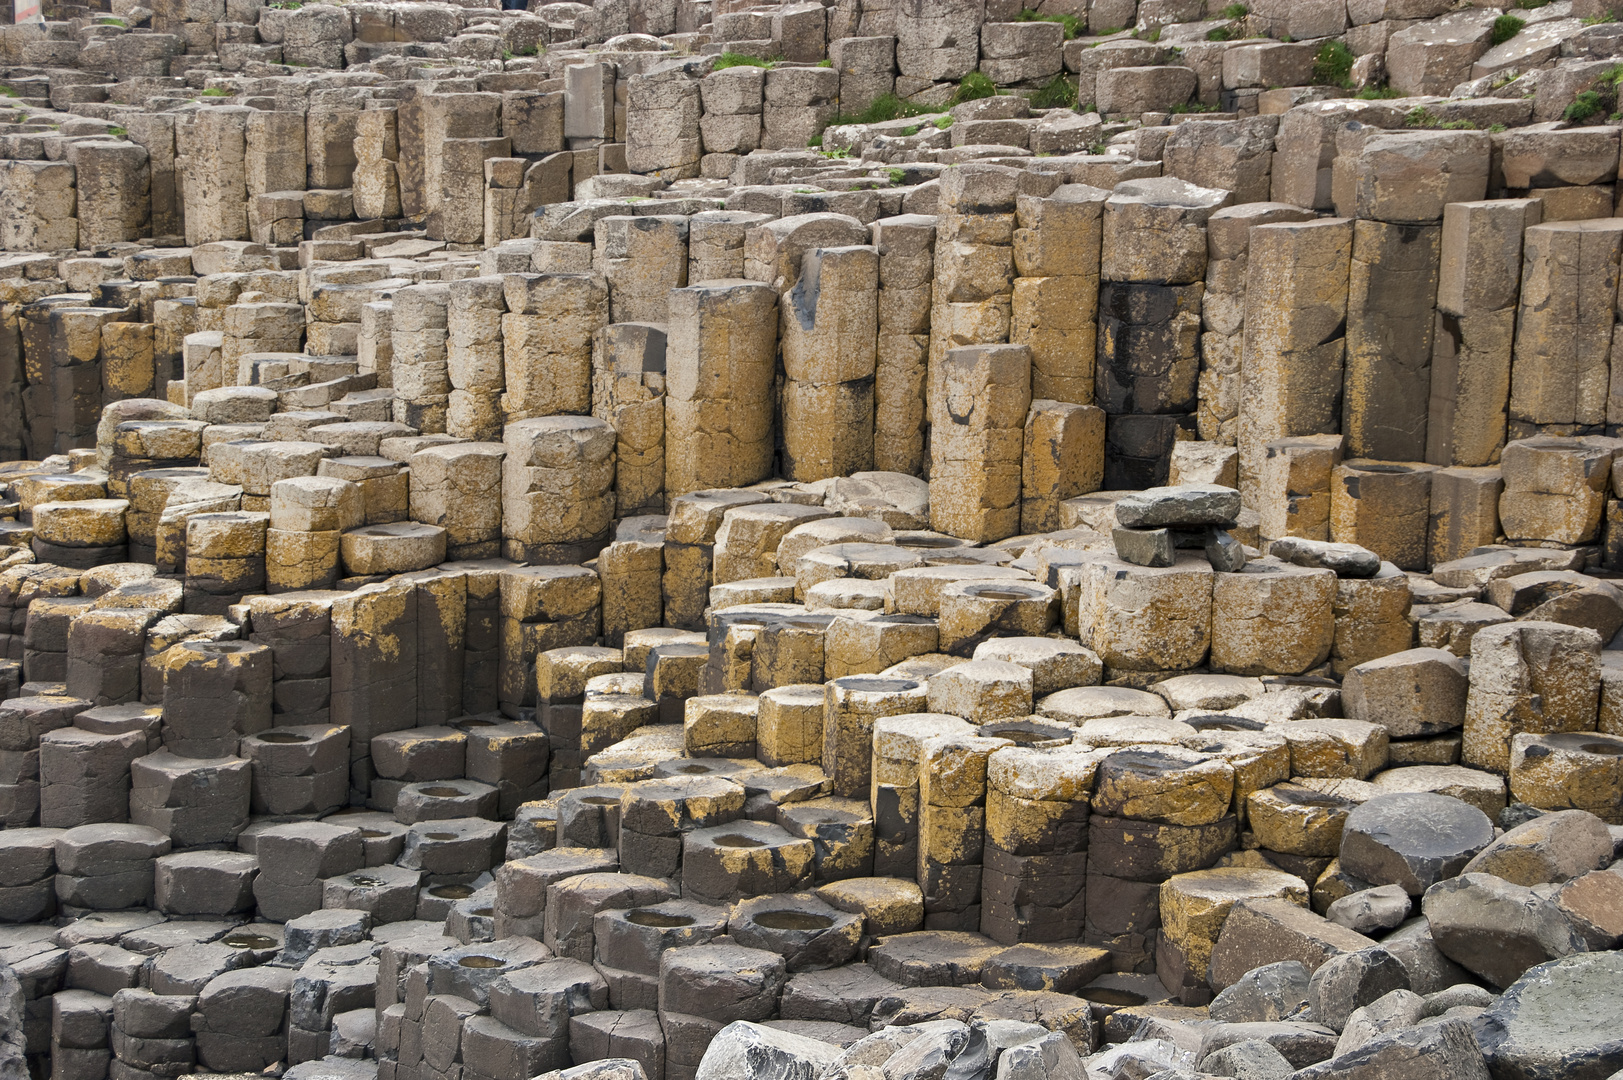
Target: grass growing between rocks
column 1332, row 65
column 1599, row 100
column 1422, row 117
column 882, row 108
column 1073, row 24
column 732, row 59
column 976, row 85
column 1505, row 27
column 1585, row 106
column 1059, row 93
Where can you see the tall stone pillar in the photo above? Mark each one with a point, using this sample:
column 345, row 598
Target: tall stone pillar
column 1391, row 295
column 547, row 342
column 1295, row 343
column 977, row 441
column 473, row 357
column 1056, row 297
column 720, row 363
column 628, row 390
column 829, row 332
column 906, row 247
column 643, row 259
column 1477, row 289
column 215, row 171
column 1560, row 378
column 1222, row 313
column 1147, row 373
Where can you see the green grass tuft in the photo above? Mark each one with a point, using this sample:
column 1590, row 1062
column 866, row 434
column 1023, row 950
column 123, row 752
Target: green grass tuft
column 1585, row 106
column 1236, row 11
column 1221, row 33
column 1332, row 65
column 1073, row 24
column 732, row 59
column 883, row 108
column 1059, row 93
column 976, row 85
column 897, row 176
column 117, row 132
column 1379, row 93
column 1505, row 27
column 1196, row 107
column 942, row 123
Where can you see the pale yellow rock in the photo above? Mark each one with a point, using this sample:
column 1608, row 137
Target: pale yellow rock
column 917, row 591
column 1563, row 327
column 1272, row 618
column 1528, row 678
column 1383, row 506
column 1290, row 369
column 977, row 441
column 1569, row 771
column 1336, row 749
column 887, row 905
column 1483, row 790
column 982, row 690
column 867, row 646
column 1194, row 906
column 1063, row 458
column 973, row 611
column 300, row 560
column 719, row 725
column 1372, row 618
column 1298, row 820
column 1292, row 490
column 315, row 504
column 82, row 523
column 1164, row 784
column 1139, row 618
